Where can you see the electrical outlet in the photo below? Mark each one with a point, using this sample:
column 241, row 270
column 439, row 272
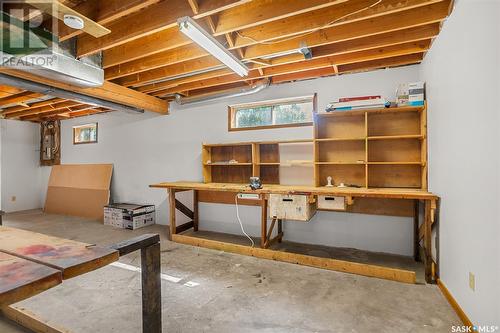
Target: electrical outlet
column 472, row 281
column 248, row 196
column 13, row 198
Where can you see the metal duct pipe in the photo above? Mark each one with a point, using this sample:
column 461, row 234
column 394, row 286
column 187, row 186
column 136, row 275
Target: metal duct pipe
column 66, row 94
column 237, row 92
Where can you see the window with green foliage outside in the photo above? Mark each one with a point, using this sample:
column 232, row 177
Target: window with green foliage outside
column 85, row 134
column 280, row 113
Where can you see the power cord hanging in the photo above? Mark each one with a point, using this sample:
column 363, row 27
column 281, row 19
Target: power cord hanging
column 239, row 220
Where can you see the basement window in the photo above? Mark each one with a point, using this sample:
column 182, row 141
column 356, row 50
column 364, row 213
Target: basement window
column 85, row 134
column 289, row 112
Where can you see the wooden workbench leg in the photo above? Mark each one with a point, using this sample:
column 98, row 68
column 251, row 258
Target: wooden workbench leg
column 416, row 224
column 263, row 227
column 280, row 230
column 196, row 218
column 151, row 289
column 171, row 198
column 428, row 242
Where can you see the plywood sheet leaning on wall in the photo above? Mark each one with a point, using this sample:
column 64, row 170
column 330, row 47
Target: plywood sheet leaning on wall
column 79, row 190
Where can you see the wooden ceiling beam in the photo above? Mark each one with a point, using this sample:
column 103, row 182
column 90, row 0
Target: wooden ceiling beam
column 6, row 91
column 53, row 107
column 182, row 68
column 312, row 74
column 382, row 63
column 14, row 109
column 171, row 38
column 166, row 58
column 387, row 23
column 352, row 11
column 259, row 12
column 103, row 12
column 108, row 91
column 306, row 65
column 58, row 111
column 376, row 41
column 19, row 98
column 152, row 19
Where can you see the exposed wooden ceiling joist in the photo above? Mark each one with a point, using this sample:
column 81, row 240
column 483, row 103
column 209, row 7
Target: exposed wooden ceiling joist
column 152, row 19
column 367, row 43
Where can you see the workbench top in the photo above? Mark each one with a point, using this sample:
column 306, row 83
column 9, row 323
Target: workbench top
column 397, row 193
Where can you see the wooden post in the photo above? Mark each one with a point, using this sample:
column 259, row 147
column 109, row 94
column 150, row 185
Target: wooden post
column 149, row 244
column 196, row 218
column 151, row 289
column 263, row 231
column 416, row 223
column 171, row 198
column 280, row 230
column 428, row 242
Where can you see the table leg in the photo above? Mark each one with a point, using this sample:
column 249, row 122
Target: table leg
column 196, row 218
column 428, row 242
column 263, row 231
column 280, row 230
column 171, row 198
column 416, row 225
column 151, row 289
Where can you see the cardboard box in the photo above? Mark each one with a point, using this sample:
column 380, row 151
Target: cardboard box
column 330, row 202
column 129, row 216
column 291, row 207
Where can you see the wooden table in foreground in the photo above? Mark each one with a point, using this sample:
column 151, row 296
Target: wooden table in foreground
column 31, row 263
column 227, row 191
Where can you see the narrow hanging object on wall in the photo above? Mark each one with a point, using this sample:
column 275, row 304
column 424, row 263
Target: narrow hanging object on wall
column 50, row 143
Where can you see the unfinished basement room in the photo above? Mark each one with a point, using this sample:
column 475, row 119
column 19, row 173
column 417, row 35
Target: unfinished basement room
column 240, row 166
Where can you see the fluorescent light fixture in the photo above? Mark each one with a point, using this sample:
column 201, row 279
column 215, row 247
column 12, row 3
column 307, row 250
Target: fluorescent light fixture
column 191, row 29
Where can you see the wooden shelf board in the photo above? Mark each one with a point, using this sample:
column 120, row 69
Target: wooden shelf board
column 340, row 139
column 228, row 164
column 396, row 163
column 340, row 163
column 396, row 137
column 228, row 144
column 361, row 112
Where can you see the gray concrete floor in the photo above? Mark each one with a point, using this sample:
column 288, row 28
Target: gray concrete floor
column 222, row 292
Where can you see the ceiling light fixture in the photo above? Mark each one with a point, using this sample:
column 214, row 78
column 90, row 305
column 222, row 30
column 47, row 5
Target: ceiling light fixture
column 192, row 30
column 74, row 22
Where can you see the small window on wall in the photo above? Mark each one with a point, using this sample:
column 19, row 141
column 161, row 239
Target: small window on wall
column 85, row 134
column 289, row 112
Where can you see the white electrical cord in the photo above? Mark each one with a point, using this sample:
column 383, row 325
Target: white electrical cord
column 239, row 220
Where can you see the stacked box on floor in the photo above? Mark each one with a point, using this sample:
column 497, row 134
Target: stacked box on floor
column 129, row 216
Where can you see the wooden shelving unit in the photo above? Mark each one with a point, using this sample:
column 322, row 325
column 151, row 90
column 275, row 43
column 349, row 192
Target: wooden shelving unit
column 372, row 148
column 259, row 159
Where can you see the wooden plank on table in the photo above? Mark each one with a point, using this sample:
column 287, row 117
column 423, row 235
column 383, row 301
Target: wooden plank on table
column 71, row 257
column 31, row 321
column 21, row 279
column 325, row 263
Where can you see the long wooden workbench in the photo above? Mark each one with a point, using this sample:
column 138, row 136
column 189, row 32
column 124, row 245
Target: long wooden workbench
column 422, row 231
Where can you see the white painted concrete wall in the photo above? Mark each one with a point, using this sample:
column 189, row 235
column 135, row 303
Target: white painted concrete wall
column 148, row 148
column 462, row 74
column 21, row 173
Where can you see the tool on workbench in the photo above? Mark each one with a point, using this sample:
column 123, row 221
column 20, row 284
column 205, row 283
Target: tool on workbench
column 255, row 183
